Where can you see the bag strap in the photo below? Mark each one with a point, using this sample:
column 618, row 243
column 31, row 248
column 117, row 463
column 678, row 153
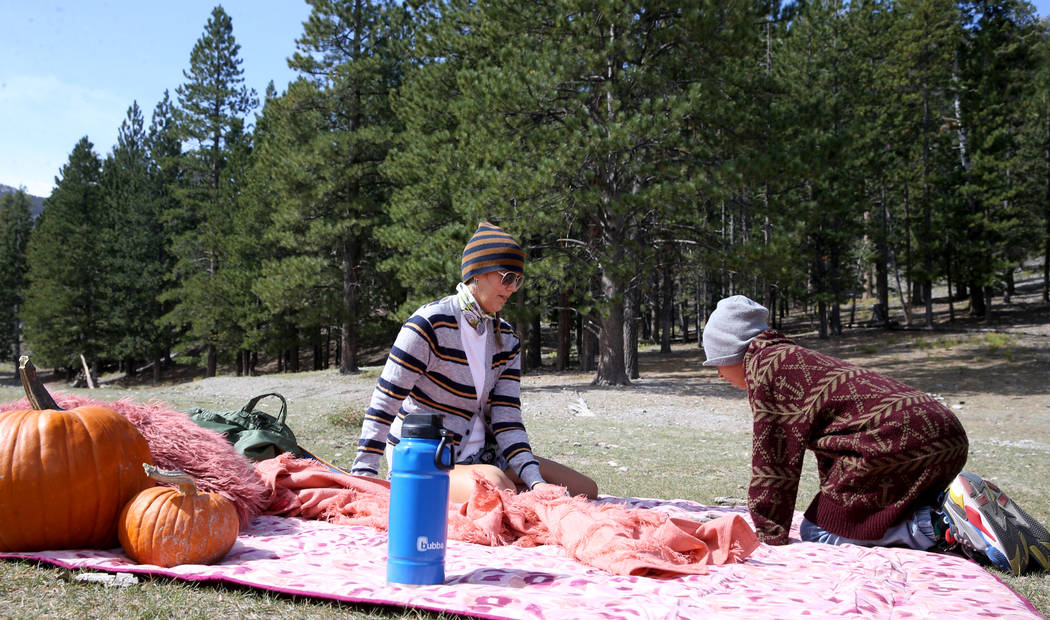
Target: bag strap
column 250, row 407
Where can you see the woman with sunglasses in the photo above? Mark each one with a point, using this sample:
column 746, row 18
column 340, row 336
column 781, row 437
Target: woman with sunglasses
column 458, row 358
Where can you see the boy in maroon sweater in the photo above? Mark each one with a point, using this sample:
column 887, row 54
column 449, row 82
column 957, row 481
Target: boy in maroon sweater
column 886, row 452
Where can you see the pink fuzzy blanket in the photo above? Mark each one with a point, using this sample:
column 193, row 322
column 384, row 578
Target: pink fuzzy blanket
column 622, row 541
column 176, row 442
column 801, row 580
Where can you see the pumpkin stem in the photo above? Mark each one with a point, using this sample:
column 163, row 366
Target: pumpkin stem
column 38, row 396
column 185, row 482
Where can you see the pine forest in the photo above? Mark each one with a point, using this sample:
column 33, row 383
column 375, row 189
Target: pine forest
column 651, row 158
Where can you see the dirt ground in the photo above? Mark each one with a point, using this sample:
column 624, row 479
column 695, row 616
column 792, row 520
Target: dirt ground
column 1001, row 365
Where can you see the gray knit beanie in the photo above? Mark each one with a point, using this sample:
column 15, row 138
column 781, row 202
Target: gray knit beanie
column 730, row 328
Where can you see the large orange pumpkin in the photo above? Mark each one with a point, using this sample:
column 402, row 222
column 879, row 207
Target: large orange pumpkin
column 167, row 526
column 65, row 475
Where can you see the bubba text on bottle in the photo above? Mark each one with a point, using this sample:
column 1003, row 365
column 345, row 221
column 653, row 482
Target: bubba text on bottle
column 423, row 544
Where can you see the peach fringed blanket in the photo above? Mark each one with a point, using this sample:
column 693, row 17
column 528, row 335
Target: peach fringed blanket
column 305, row 488
column 622, row 541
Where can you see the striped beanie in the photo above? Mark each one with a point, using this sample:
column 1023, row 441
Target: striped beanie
column 491, row 249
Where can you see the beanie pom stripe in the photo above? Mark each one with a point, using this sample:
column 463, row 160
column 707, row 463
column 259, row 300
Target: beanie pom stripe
column 491, row 249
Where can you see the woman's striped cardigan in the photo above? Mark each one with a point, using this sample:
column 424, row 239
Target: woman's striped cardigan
column 427, row 372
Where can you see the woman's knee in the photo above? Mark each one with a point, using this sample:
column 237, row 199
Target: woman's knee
column 586, row 486
column 496, row 476
column 493, row 474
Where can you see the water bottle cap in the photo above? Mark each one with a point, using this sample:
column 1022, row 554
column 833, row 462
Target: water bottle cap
column 422, row 425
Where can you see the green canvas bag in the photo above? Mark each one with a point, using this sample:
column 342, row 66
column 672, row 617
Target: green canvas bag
column 255, row 434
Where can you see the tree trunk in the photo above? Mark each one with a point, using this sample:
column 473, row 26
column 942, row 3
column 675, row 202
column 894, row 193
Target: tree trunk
column 683, row 316
column 771, row 303
column 326, row 352
column 927, row 296
column 318, row 354
column 701, row 313
column 588, row 346
column 908, row 271
column 948, row 275
column 17, row 348
column 882, row 271
column 822, row 316
column 611, row 369
column 666, row 308
column 212, row 361
column 348, row 327
column 819, row 276
column 836, row 290
column 977, row 305
column 564, row 333
column 630, row 333
column 926, row 236
column 535, row 352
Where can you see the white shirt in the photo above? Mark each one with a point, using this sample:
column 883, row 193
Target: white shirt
column 474, row 347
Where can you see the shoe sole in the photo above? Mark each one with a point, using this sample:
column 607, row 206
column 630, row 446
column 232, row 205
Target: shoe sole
column 979, row 519
column 1033, row 535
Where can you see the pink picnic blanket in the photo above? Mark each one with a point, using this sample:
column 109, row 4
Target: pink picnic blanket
column 348, row 563
column 620, row 540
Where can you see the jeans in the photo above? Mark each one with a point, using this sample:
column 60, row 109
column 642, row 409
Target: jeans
column 914, row 533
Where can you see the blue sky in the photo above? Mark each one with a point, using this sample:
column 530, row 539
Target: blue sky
column 72, row 68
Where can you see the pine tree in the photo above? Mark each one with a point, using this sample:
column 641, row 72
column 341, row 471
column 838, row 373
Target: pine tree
column 63, row 316
column 16, row 224
column 877, row 151
column 424, row 229
column 921, row 62
column 817, row 67
column 212, row 105
column 331, row 131
column 995, row 73
column 243, row 253
column 1038, row 144
column 132, row 249
column 567, row 127
column 165, row 176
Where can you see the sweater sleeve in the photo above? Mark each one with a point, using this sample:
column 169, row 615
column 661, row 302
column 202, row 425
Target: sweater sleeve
column 505, row 410
column 780, row 431
column 406, row 363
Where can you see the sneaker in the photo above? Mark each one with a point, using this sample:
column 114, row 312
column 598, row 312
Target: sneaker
column 981, row 525
column 1033, row 535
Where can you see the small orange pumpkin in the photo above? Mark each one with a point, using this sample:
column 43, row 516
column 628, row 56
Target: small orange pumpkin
column 167, row 526
column 65, row 475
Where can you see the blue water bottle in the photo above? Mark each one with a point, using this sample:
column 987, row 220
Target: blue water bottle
column 418, row 520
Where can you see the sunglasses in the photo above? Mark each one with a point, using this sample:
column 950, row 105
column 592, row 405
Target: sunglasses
column 510, row 279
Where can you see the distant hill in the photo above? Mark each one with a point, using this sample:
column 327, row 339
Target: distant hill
column 38, row 202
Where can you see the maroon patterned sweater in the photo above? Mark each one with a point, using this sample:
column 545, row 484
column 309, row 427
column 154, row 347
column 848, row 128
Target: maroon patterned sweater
column 883, row 449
